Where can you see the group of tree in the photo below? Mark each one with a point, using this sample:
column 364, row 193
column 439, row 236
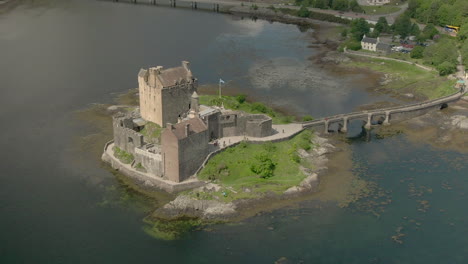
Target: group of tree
column 443, row 55
column 341, row 5
column 439, row 12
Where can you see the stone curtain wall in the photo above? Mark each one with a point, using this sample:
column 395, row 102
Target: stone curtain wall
column 124, row 135
column 258, row 126
column 152, row 162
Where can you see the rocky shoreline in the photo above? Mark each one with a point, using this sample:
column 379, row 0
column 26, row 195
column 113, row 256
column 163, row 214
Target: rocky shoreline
column 185, row 206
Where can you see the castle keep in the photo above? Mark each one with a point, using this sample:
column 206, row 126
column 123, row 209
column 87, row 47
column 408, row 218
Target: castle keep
column 165, row 93
column 170, row 135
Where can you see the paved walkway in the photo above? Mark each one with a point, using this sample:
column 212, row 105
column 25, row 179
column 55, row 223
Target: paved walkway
column 281, row 132
column 427, row 68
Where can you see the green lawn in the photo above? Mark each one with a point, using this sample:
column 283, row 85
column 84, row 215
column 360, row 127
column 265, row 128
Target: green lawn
column 123, row 156
column 236, row 103
column 380, row 10
column 151, row 132
column 408, row 77
column 232, row 169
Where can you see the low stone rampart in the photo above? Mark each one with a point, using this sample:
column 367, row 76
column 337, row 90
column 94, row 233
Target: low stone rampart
column 152, row 162
column 147, row 179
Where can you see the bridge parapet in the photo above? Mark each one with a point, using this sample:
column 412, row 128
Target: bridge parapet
column 368, row 114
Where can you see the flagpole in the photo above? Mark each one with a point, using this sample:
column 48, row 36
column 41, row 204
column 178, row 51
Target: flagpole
column 219, row 85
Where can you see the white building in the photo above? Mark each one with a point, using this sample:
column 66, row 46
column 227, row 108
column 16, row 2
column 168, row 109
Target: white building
column 369, row 43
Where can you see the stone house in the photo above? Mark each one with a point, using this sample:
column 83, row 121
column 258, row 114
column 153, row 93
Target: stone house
column 383, row 48
column 369, row 43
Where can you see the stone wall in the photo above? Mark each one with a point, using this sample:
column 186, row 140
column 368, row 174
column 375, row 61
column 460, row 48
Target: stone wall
column 212, row 121
column 258, row 126
column 152, row 162
column 124, row 136
column 192, row 151
column 176, row 102
column 237, row 124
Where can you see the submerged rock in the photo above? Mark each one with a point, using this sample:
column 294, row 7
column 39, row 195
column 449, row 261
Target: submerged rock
column 188, row 206
column 460, row 121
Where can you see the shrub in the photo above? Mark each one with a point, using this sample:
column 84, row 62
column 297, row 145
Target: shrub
column 417, row 52
column 123, row 156
column 307, row 118
column 241, row 98
column 303, row 12
column 259, row 107
column 446, row 68
column 264, row 166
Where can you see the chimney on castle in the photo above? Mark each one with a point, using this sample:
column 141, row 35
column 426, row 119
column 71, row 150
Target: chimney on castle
column 186, row 64
column 187, row 130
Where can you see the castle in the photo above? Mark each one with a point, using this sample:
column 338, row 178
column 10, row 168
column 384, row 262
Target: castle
column 170, row 135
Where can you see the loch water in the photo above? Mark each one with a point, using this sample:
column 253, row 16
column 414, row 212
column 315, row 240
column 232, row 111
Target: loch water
column 60, row 204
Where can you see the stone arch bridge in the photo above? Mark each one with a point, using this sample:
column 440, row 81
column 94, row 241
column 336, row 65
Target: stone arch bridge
column 385, row 115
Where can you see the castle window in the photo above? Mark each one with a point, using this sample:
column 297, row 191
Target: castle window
column 130, row 140
column 121, row 123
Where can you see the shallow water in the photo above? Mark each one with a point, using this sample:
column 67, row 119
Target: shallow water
column 60, row 204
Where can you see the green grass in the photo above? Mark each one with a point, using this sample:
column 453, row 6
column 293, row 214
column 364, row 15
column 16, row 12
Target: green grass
column 232, row 169
column 380, row 10
column 123, row 156
column 408, row 78
column 152, row 132
column 231, row 102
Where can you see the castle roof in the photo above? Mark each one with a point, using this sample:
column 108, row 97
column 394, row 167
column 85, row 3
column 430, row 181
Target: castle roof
column 196, row 125
column 170, row 77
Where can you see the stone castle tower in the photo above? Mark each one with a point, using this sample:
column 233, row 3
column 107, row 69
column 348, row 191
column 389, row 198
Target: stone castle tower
column 165, row 94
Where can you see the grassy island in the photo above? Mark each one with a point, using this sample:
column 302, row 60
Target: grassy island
column 251, row 170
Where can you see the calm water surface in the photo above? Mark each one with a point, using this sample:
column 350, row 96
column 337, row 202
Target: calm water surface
column 57, row 57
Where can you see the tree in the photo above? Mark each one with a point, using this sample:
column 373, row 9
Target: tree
column 264, row 166
column 382, row 25
column 430, row 31
column 241, row 98
column 417, row 52
column 446, row 68
column 355, row 7
column 464, row 53
column 443, row 55
column 402, row 26
column 463, row 33
column 415, row 31
column 340, row 5
column 322, row 4
column 303, row 12
column 359, row 27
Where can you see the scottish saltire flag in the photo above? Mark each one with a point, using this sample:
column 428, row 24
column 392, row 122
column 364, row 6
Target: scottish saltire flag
column 221, row 81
